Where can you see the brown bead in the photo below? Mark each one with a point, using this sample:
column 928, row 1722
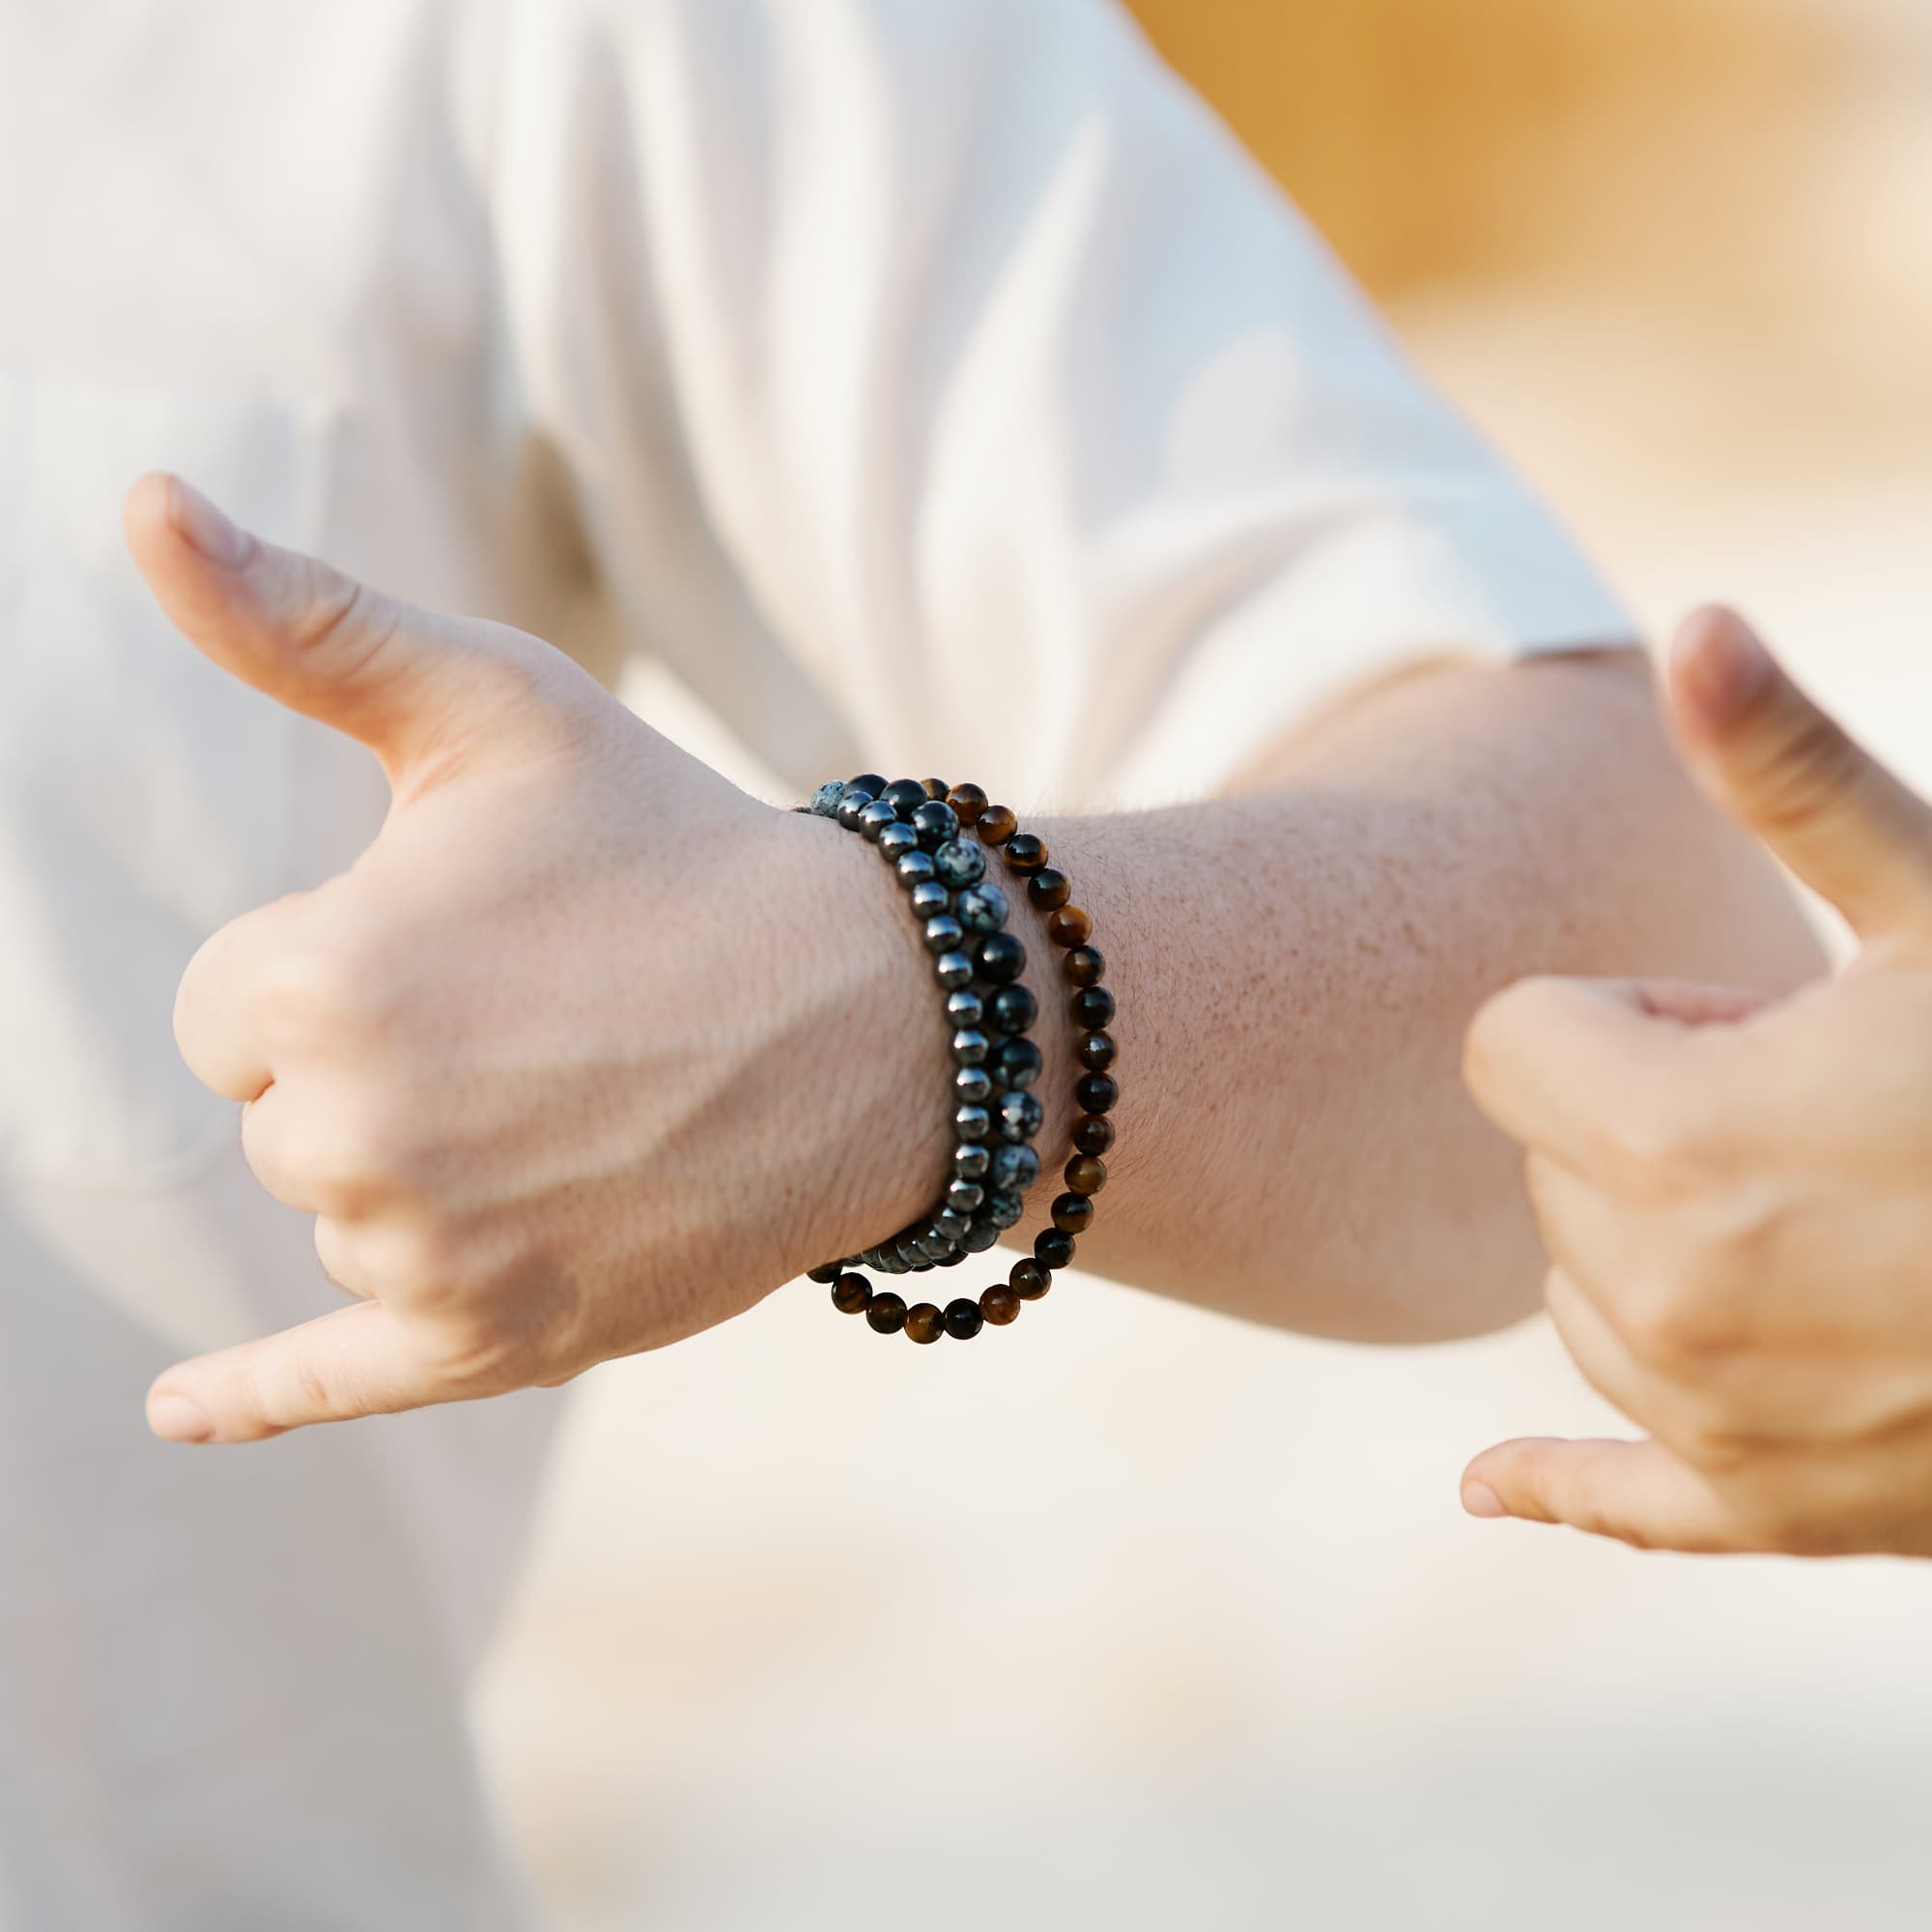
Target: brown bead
column 1026, row 852
column 935, row 787
column 964, row 1318
column 968, row 801
column 996, row 825
column 924, row 1323
column 1048, row 890
column 1095, row 1051
column 1094, row 1134
column 1095, row 1092
column 887, row 1312
column 1086, row 1174
column 1073, row 1213
column 1069, row 926
column 999, row 1305
column 1030, row 1281
column 850, row 1293
column 1083, row 965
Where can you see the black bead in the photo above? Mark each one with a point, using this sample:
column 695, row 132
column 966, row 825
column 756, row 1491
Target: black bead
column 875, row 819
column 972, row 1085
column 1073, row 1213
column 914, row 869
column 1091, row 1007
column 965, row 1007
column 1013, row 1167
column 970, row 1047
column 1095, row 1092
column 971, row 1123
column 887, row 1312
column 954, row 970
column 1094, row 1134
column 896, row 841
column 1000, row 957
column 1021, row 1115
column 963, row 1320
column 905, row 796
column 829, row 1272
column 1095, row 1051
column 868, row 783
column 929, row 899
column 979, row 1237
column 850, row 807
column 982, row 908
column 1014, row 1009
column 972, row 1159
column 934, row 1243
column 1015, row 1063
column 1052, row 1249
column 1048, row 890
column 1026, row 852
column 1001, row 1210
column 961, row 861
column 935, row 821
column 944, row 934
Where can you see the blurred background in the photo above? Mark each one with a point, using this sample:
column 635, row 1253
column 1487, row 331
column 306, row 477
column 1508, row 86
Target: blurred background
column 1160, row 1621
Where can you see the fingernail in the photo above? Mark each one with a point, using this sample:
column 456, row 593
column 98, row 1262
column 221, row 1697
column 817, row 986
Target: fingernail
column 176, row 1419
column 1479, row 1499
column 1721, row 664
column 200, row 523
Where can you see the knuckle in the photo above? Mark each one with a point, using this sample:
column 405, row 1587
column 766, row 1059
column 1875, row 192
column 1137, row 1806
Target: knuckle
column 1675, row 1320
column 1810, row 766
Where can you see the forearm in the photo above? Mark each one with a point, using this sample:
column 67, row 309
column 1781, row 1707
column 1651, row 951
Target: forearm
column 1296, row 968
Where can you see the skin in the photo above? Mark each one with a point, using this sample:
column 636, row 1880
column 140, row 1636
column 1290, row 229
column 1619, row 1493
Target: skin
column 1734, row 1190
column 590, row 1051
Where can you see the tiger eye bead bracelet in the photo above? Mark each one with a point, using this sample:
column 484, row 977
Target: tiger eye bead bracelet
column 1009, row 1010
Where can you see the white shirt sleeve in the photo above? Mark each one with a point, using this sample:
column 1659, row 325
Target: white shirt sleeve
column 942, row 386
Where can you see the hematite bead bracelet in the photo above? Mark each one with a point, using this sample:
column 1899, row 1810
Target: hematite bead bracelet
column 1000, row 1013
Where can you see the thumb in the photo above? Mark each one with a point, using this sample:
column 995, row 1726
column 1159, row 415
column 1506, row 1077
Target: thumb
column 397, row 678
column 1778, row 766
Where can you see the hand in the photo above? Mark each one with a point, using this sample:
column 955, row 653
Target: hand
column 1737, row 1197
column 573, row 1060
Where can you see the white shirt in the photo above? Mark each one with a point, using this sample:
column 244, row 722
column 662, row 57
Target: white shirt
column 925, row 383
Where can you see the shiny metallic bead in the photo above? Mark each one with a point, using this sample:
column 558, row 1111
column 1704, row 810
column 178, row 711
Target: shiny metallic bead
column 954, row 970
column 828, row 798
column 1013, row 1167
column 963, row 1320
column 937, row 1241
column 971, row 1123
column 1001, row 957
column 905, row 796
column 1014, row 1008
column 929, row 898
column 963, row 1196
column 982, row 908
column 961, row 861
column 850, row 807
column 876, row 817
column 972, row 1085
column 1015, row 1063
column 914, row 869
column 970, row 1047
column 979, row 1237
column 935, row 821
column 897, row 840
column 1021, row 1115
column 952, row 1224
column 972, row 1159
column 965, row 1007
column 944, row 934
column 1001, row 1210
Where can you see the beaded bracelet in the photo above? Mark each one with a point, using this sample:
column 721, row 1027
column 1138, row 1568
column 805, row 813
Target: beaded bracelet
column 1090, row 1007
column 977, row 964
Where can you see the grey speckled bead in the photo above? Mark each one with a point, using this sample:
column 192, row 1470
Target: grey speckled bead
column 970, row 1162
column 876, row 817
column 1015, row 1063
column 1014, row 1167
column 971, row 1123
column 963, row 1196
column 982, row 908
column 954, row 970
column 897, row 840
column 972, row 1085
column 929, row 898
column 965, row 1007
column 1021, row 1115
column 970, row 1047
column 961, row 861
column 826, row 800
column 1000, row 1209
column 914, row 869
column 944, row 934
column 979, row 1237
